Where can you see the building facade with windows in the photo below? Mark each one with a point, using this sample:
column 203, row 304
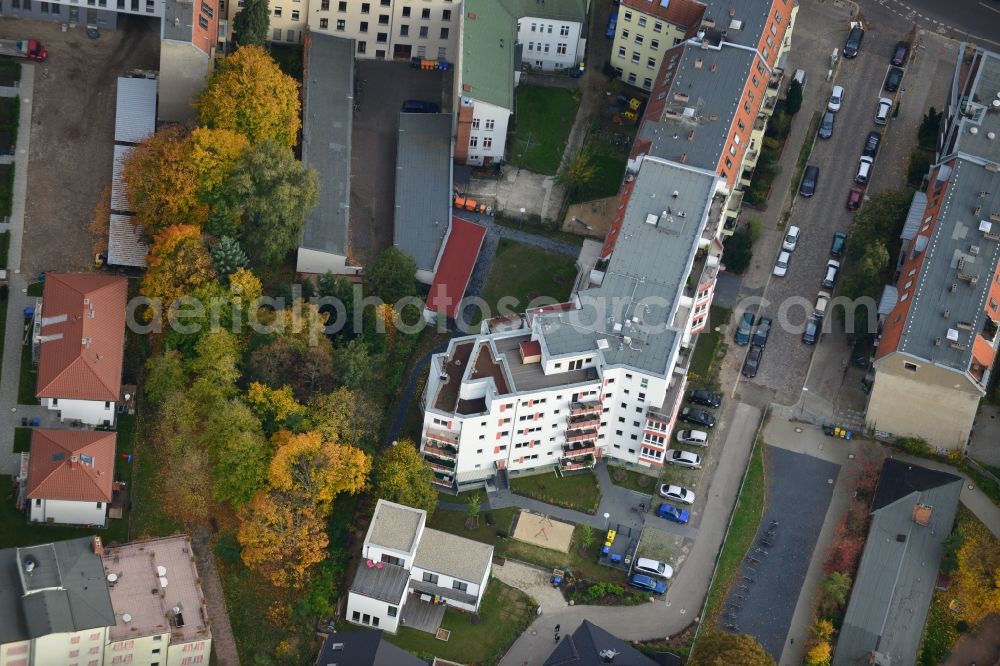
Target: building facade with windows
column 938, row 342
column 100, row 13
column 645, row 31
column 550, row 44
column 602, row 375
column 408, row 564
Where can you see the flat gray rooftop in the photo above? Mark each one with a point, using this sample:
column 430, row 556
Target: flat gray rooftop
column 395, row 526
column 177, row 20
column 327, row 114
column 386, row 584
column 985, row 90
column 453, row 555
column 529, row 376
column 699, row 105
column 742, row 20
column 957, row 251
column 135, row 109
column 423, row 186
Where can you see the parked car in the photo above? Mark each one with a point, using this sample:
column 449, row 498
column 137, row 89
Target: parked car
column 673, row 514
column 791, row 238
column 644, row 582
column 693, row 437
column 682, row 458
column 419, row 106
column 809, row 180
column 853, row 43
column 752, row 362
column 893, row 79
column 830, row 276
column 826, row 125
column 854, row 197
column 705, row 398
column 822, row 303
column 744, row 328
column 781, row 265
column 864, row 170
column 612, row 25
column 838, row 244
column 901, row 54
column 677, row 494
column 836, row 99
column 872, row 142
column 812, row 330
column 762, row 333
column 697, row 416
column 650, row 567
column 883, row 110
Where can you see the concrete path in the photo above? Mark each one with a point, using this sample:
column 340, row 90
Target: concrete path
column 223, row 643
column 17, row 294
column 533, row 581
column 683, row 602
column 407, row 395
column 984, row 440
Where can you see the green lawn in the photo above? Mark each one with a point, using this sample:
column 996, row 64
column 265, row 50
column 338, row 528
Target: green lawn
column 3, row 323
column 609, row 162
column 22, row 440
column 576, row 491
column 540, row 230
column 522, row 273
column 454, row 522
column 641, row 483
column 543, row 118
column 26, row 383
column 742, row 529
column 707, row 348
column 503, row 615
column 4, row 248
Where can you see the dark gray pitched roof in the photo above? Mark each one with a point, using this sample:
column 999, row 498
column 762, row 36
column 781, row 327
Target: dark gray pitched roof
column 895, row 580
column 327, row 114
column 423, row 186
column 387, row 584
column 584, row 646
column 363, row 648
column 65, row 590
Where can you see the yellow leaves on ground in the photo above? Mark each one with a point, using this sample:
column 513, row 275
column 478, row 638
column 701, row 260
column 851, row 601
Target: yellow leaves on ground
column 977, row 580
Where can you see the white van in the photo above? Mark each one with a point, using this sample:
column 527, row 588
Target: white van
column 644, row 565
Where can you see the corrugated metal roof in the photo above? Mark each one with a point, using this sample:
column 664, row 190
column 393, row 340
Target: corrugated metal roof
column 119, row 197
column 918, row 207
column 135, row 115
column 125, row 245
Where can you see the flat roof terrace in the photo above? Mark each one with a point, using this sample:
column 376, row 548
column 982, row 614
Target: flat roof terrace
column 530, row 376
column 454, row 368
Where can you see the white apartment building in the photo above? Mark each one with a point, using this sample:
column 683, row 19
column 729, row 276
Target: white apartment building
column 382, row 29
column 602, row 375
column 550, row 43
column 407, row 564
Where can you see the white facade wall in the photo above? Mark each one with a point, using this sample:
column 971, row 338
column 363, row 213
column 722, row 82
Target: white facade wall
column 139, row 650
column 80, row 647
column 628, row 394
column 373, row 613
column 183, row 654
column 488, row 137
column 446, row 583
column 68, row 512
column 15, row 654
column 549, row 44
column 93, row 412
column 375, row 553
column 317, row 261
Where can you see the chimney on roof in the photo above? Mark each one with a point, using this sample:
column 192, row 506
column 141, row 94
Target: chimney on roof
column 97, row 545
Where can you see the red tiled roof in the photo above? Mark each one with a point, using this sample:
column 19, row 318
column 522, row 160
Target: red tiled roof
column 456, row 265
column 87, row 312
column 76, row 465
column 685, row 13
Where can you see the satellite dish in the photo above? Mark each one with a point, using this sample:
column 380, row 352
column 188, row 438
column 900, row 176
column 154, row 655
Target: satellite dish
column 126, row 618
column 161, row 571
column 163, row 581
column 112, row 578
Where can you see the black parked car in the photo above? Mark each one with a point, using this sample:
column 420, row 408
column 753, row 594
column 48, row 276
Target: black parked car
column 752, row 362
column 872, row 143
column 705, row 398
column 809, row 180
column 761, row 334
column 811, row 334
column 826, row 125
column 853, row 43
column 901, row 54
column 697, row 416
column 893, row 79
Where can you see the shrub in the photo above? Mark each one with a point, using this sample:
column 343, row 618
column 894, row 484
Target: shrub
column 793, row 99
column 920, row 162
column 738, row 252
column 914, row 446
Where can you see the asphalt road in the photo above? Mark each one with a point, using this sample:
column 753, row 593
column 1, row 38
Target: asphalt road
column 965, row 20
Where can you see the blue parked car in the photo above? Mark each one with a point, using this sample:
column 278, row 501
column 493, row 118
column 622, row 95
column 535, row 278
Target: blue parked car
column 673, row 514
column 647, row 583
column 745, row 328
column 612, row 25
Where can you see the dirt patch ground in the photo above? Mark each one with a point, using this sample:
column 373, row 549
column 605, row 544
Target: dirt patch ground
column 663, row 546
column 981, row 646
column 72, row 133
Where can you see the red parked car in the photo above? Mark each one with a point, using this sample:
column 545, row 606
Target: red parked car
column 854, row 197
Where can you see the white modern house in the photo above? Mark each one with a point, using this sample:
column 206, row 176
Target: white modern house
column 79, row 342
column 550, row 44
column 407, row 565
column 601, row 375
column 70, row 476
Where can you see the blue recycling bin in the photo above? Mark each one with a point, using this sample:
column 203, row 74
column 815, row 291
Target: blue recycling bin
column 616, row 558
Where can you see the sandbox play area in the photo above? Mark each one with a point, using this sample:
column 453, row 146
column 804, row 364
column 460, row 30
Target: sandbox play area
column 539, row 530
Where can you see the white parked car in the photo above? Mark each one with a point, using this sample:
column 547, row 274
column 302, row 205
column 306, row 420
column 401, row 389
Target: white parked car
column 683, row 458
column 791, row 239
column 836, row 99
column 677, row 494
column 645, row 565
column 781, row 265
column 883, row 110
column 693, row 437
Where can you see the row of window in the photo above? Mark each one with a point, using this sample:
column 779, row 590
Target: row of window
column 54, row 8
column 366, row 8
column 546, row 29
column 404, row 29
column 544, row 47
column 657, row 26
column 474, row 142
column 488, row 125
column 455, row 584
column 647, row 82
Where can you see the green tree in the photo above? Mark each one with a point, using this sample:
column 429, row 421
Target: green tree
column 920, row 163
column 865, row 278
column 392, row 276
column 164, row 375
column 716, row 648
column 341, row 289
column 228, row 256
column 881, row 219
column 400, row 475
column 473, row 521
column 738, row 252
column 354, row 366
column 272, row 192
column 346, row 416
column 835, row 589
column 929, row 128
column 577, row 172
column 252, row 23
column 240, row 453
column 793, row 100
column 586, row 537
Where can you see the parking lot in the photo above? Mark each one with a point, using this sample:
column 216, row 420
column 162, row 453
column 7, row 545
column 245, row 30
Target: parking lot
column 72, row 133
column 383, row 86
column 787, row 362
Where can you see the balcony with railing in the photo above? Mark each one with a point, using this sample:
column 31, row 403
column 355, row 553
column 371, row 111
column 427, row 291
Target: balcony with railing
column 442, row 437
column 585, row 408
column 444, row 452
column 581, row 436
column 439, row 464
column 583, row 422
column 443, row 480
column 570, row 464
column 579, row 449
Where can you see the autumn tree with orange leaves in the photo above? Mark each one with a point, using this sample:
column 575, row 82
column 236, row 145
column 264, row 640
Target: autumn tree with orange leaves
column 179, row 263
column 307, row 466
column 282, row 538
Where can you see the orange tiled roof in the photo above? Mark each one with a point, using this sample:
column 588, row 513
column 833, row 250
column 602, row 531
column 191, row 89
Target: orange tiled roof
column 76, row 465
column 82, row 356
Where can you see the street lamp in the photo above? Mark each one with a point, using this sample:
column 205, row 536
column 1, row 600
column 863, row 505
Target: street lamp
column 607, row 521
